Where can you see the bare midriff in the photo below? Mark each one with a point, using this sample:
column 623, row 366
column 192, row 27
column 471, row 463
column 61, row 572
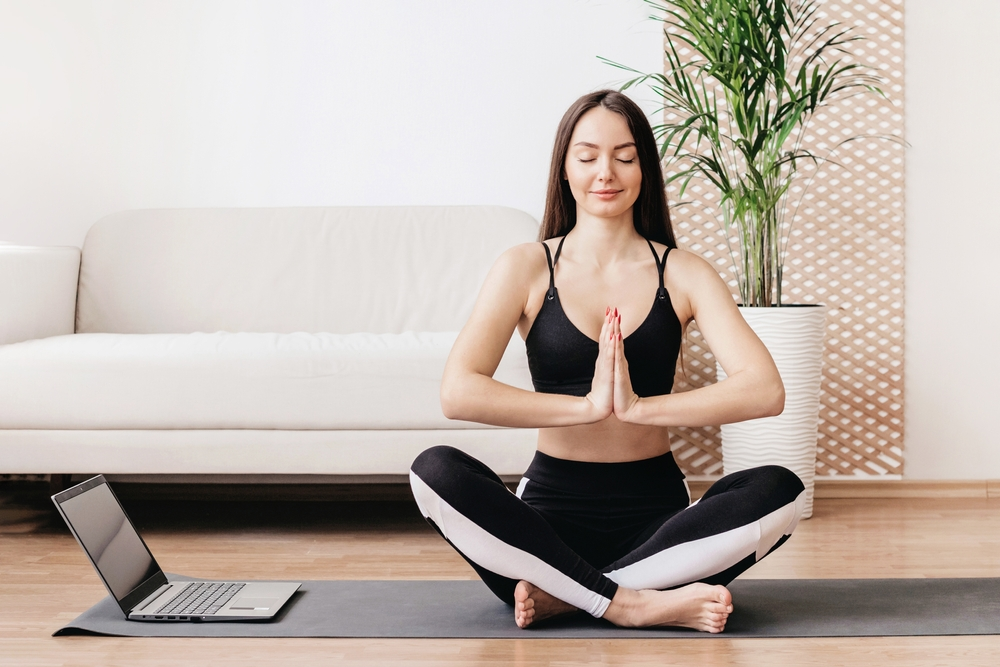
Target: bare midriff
column 608, row 441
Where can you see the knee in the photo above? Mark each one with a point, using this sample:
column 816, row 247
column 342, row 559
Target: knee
column 431, row 464
column 780, row 483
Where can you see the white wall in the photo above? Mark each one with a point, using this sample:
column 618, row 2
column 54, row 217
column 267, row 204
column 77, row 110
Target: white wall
column 114, row 104
column 952, row 240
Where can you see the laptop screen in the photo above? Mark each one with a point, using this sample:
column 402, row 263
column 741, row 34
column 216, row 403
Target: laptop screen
column 107, row 535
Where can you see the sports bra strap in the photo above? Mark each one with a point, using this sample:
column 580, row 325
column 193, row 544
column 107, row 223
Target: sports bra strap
column 661, row 293
column 551, row 294
column 559, row 250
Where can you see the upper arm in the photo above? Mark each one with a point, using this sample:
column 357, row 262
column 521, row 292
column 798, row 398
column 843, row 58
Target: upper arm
column 500, row 304
column 707, row 299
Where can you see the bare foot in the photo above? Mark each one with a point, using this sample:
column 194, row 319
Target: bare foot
column 532, row 604
column 699, row 606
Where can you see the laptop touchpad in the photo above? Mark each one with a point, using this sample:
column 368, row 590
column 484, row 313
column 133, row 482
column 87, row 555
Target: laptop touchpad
column 254, row 604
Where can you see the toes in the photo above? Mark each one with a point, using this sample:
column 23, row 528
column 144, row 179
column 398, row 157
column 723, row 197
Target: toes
column 716, row 624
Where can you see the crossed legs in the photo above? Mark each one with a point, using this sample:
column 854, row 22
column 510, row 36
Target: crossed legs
column 675, row 576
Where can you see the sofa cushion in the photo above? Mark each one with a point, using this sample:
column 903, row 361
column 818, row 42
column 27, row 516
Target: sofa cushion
column 37, row 292
column 233, row 381
column 339, row 270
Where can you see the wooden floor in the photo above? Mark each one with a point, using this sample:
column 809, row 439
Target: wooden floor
column 45, row 581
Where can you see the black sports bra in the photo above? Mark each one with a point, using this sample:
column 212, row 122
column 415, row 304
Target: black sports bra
column 561, row 358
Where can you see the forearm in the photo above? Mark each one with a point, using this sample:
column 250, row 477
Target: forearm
column 479, row 398
column 735, row 399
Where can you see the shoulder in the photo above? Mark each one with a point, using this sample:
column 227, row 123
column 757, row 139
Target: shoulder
column 524, row 258
column 519, row 266
column 692, row 282
column 688, row 265
column 684, row 264
column 524, row 253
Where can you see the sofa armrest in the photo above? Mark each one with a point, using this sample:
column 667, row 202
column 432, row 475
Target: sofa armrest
column 37, row 292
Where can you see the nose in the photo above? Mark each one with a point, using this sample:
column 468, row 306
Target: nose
column 605, row 171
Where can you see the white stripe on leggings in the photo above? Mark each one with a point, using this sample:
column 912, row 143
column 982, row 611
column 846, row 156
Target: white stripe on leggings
column 497, row 556
column 698, row 559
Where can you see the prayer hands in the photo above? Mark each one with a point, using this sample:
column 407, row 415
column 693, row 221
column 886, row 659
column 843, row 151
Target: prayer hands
column 611, row 390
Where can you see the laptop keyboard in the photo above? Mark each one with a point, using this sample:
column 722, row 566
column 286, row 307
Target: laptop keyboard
column 201, row 598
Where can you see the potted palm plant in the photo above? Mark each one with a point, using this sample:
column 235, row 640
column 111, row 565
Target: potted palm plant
column 741, row 83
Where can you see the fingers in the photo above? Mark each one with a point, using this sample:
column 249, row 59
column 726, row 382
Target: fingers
column 605, row 349
column 609, row 337
column 625, row 398
column 615, row 336
column 614, row 319
column 602, row 388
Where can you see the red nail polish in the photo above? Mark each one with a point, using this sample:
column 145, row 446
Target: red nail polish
column 616, row 312
column 607, row 310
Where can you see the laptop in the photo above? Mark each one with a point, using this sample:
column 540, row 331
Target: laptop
column 136, row 582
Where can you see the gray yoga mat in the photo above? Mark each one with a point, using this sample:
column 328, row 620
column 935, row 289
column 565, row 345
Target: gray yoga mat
column 764, row 608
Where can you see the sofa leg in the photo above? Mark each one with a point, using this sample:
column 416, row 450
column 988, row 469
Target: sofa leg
column 58, row 483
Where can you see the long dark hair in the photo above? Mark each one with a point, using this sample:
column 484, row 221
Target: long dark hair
column 649, row 215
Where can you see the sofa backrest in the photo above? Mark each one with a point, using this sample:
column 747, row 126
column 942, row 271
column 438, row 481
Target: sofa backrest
column 339, row 270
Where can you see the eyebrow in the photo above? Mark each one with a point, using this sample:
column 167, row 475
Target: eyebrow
column 618, row 147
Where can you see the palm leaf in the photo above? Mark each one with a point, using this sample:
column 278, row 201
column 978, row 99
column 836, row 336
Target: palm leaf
column 757, row 72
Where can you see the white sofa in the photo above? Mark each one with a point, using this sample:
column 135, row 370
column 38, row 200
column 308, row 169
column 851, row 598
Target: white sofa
column 286, row 341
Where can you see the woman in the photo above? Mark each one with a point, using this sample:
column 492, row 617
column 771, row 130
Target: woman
column 602, row 519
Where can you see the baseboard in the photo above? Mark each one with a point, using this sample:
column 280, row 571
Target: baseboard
column 395, row 487
column 908, row 488
column 890, row 488
column 354, row 492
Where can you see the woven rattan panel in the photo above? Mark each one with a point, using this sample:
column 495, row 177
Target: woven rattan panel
column 846, row 252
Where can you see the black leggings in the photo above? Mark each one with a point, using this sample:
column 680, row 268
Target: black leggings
column 578, row 530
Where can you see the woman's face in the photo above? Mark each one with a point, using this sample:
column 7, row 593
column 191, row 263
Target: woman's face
column 602, row 165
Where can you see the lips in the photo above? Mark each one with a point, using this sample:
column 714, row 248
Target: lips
column 605, row 194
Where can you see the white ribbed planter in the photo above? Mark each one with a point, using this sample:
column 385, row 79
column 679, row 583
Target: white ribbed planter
column 794, row 337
